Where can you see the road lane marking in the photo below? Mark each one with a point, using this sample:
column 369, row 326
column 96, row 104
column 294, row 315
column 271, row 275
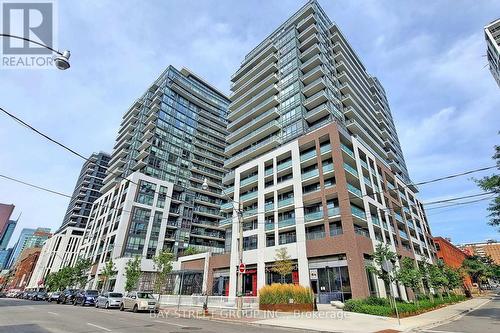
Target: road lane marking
column 166, row 322
column 53, row 313
column 100, row 327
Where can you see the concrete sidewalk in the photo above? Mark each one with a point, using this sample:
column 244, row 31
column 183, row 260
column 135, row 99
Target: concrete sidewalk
column 328, row 320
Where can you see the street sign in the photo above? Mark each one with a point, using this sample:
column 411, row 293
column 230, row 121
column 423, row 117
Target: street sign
column 241, row 268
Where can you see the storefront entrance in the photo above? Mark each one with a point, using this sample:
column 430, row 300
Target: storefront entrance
column 330, row 284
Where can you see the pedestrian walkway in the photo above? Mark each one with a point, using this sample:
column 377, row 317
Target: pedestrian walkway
column 328, row 319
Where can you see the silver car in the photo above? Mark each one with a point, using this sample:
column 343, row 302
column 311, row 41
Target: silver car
column 109, row 300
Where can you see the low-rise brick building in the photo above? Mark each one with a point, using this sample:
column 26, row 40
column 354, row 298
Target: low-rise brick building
column 24, row 268
column 452, row 256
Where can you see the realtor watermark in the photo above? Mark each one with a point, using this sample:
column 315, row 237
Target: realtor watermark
column 25, row 25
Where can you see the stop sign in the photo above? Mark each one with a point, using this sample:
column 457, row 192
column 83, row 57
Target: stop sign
column 241, row 268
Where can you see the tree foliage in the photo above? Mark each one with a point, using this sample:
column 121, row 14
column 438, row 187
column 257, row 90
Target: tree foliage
column 80, row 272
column 382, row 257
column 107, row 272
column 132, row 273
column 163, row 265
column 283, row 264
column 478, row 270
column 492, row 184
column 409, row 275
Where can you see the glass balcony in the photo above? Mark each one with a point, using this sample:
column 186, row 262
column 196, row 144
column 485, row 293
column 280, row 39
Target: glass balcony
column 229, row 190
column 335, row 231
column 306, row 156
column 375, row 220
column 358, row 212
column 325, row 149
column 269, row 206
column 313, row 216
column 410, row 224
column 268, row 172
column 367, row 181
column 315, row 235
column 310, row 174
column 364, row 164
column 285, row 202
column 403, row 234
column 269, row 226
column 398, row 217
column 226, row 221
column 406, row 210
column 227, row 205
column 327, row 167
column 248, row 196
column 390, row 186
column 284, row 165
column 361, row 231
column 347, row 150
column 333, row 211
column 354, row 190
column 350, row 169
column 248, row 180
column 286, row 222
column 250, row 212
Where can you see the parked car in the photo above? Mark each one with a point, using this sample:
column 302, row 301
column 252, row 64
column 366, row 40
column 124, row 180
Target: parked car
column 85, row 297
column 67, row 296
column 139, row 301
column 109, row 300
column 40, row 296
column 54, row 296
column 30, row 295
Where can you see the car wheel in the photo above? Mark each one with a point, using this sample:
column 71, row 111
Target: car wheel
column 74, row 303
column 96, row 305
column 106, row 306
column 134, row 309
column 121, row 307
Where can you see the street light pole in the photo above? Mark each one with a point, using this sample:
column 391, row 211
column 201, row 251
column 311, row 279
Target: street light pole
column 62, row 59
column 239, row 213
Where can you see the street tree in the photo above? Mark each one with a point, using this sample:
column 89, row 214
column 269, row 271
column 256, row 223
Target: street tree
column 437, row 277
column 492, row 184
column 163, row 266
column 283, row 265
column 409, row 275
column 477, row 269
column 453, row 277
column 107, row 272
column 80, row 272
column 132, row 273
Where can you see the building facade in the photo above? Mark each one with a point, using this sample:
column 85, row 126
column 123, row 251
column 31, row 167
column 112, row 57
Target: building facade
column 5, row 214
column 23, row 268
column 6, row 234
column 87, row 190
column 492, row 36
column 170, row 140
column 486, row 249
column 316, row 166
column 20, row 244
column 4, row 258
column 452, row 256
column 61, row 250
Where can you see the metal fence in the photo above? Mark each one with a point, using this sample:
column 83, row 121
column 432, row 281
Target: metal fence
column 249, row 302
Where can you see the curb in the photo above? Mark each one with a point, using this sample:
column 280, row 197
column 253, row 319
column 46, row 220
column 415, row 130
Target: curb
column 449, row 319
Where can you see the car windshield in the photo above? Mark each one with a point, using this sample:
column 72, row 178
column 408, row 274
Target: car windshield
column 145, row 295
column 115, row 295
column 92, row 292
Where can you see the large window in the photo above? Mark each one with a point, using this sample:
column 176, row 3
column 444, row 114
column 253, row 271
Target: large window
column 137, row 232
column 146, row 193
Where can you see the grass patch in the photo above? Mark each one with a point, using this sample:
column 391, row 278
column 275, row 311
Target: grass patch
column 382, row 307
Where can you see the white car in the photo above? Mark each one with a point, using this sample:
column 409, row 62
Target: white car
column 109, row 300
column 139, row 301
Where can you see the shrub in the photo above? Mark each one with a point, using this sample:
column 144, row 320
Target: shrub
column 373, row 300
column 278, row 293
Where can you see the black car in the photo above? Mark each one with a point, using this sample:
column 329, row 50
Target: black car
column 30, row 295
column 40, row 296
column 67, row 296
column 86, row 297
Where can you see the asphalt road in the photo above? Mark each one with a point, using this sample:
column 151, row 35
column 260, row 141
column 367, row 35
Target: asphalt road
column 483, row 320
column 23, row 316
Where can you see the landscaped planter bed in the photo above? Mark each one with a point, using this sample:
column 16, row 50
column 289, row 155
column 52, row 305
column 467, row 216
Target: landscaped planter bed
column 286, row 307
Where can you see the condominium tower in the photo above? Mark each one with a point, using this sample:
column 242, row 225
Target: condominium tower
column 169, row 141
column 316, row 165
column 87, row 190
column 492, row 36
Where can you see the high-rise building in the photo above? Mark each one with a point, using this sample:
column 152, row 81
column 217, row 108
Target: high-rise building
column 316, row 166
column 37, row 238
column 169, row 141
column 6, row 234
column 19, row 246
column 492, row 36
column 4, row 257
column 87, row 190
column 5, row 213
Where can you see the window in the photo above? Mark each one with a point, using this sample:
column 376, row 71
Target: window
column 250, row 243
column 146, row 192
column 287, row 237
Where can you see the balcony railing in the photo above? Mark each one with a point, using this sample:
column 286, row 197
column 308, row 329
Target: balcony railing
column 308, row 155
column 358, row 212
column 333, row 211
column 335, row 231
column 249, row 180
column 269, row 206
column 285, row 202
column 403, row 234
column 327, row 167
column 347, row 150
column 284, row 165
column 375, row 220
column 313, row 216
column 353, row 189
column 286, row 222
column 361, row 231
column 315, row 235
column 310, row 174
column 350, row 169
column 325, row 149
column 249, row 195
column 269, row 226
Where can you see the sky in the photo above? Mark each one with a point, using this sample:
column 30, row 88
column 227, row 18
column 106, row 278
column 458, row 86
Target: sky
column 429, row 56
